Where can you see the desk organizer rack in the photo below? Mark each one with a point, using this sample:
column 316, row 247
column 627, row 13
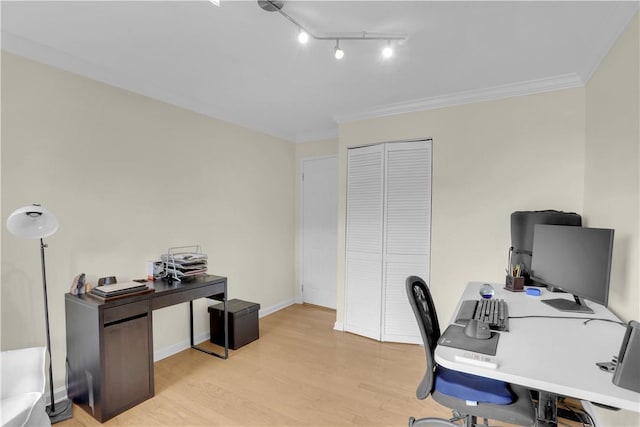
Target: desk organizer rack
column 184, row 262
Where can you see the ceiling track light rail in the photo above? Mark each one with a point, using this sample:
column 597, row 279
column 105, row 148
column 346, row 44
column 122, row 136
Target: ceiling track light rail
column 304, row 33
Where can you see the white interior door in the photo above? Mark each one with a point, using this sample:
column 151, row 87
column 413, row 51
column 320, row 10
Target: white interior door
column 319, row 230
column 364, row 241
column 407, row 236
column 387, row 237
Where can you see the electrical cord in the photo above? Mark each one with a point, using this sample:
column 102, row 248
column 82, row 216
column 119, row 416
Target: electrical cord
column 586, row 319
column 581, row 416
column 68, row 403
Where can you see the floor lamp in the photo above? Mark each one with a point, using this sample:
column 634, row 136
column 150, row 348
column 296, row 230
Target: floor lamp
column 36, row 222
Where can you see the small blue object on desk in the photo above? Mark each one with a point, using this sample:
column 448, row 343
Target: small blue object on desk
column 487, row 291
column 533, row 291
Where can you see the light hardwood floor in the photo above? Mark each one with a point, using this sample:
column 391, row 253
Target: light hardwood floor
column 299, row 373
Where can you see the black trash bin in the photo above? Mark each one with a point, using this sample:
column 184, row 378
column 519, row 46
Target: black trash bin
column 242, row 321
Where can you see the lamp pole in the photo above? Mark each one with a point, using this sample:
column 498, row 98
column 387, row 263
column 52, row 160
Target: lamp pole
column 52, row 407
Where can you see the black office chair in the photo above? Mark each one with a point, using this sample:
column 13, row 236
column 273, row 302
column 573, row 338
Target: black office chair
column 520, row 411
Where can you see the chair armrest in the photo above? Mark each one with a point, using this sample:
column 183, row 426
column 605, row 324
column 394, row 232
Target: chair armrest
column 23, row 371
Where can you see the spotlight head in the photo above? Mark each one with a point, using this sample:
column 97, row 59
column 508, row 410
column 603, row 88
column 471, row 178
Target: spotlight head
column 339, row 53
column 387, row 52
column 303, row 36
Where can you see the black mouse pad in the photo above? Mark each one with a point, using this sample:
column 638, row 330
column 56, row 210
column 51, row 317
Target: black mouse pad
column 454, row 337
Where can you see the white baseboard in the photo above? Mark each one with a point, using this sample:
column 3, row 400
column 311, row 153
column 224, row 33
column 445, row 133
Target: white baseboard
column 59, row 394
column 179, row 346
column 338, row 326
column 277, row 307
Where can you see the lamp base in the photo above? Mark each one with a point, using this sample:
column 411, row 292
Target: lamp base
column 64, row 411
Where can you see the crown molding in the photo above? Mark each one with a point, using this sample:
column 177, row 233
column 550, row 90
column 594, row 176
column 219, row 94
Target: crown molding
column 564, row 81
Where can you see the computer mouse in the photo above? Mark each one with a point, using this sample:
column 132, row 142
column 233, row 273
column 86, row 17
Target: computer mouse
column 477, row 329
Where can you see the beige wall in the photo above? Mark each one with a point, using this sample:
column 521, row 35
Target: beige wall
column 129, row 177
column 489, row 159
column 612, row 180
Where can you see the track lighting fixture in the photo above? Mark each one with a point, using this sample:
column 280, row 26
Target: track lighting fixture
column 339, row 53
column 304, row 34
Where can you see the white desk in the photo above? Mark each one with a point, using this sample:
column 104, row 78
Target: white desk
column 553, row 355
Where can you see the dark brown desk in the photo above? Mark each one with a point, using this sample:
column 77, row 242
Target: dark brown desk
column 110, row 343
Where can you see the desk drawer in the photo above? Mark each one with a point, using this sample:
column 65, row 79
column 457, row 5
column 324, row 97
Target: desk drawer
column 171, row 298
column 125, row 311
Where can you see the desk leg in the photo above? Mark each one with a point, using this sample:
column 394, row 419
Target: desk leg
column 226, row 332
column 547, row 414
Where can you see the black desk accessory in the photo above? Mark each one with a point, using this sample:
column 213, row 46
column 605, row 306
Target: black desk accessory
column 626, row 366
column 109, row 280
column 455, row 337
column 496, row 313
column 477, row 329
column 627, row 371
column 514, row 284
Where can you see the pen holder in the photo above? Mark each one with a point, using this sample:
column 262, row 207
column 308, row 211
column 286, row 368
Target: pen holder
column 514, row 284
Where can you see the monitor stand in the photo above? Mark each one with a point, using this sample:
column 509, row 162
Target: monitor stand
column 577, row 306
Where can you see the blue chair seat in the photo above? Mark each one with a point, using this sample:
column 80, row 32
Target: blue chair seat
column 472, row 387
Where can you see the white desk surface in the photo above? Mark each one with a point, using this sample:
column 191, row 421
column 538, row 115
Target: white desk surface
column 554, row 355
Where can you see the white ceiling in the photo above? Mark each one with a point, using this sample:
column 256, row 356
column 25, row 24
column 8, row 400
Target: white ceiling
column 244, row 65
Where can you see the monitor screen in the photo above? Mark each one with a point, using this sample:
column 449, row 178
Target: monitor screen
column 575, row 259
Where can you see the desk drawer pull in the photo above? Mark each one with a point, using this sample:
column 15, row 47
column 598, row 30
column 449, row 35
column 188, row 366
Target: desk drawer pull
column 126, row 319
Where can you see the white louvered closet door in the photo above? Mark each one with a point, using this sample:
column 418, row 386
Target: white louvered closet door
column 407, row 235
column 388, row 237
column 364, row 241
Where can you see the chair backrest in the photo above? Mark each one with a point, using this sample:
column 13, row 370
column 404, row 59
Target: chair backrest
column 425, row 312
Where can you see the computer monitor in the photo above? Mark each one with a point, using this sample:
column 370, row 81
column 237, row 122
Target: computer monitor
column 576, row 260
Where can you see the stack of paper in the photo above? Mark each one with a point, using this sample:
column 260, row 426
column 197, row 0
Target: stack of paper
column 185, row 264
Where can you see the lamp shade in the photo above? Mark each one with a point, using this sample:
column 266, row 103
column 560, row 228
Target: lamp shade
column 32, row 222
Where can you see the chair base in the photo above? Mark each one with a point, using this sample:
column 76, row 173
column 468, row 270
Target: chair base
column 431, row 422
column 64, row 411
column 468, row 421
